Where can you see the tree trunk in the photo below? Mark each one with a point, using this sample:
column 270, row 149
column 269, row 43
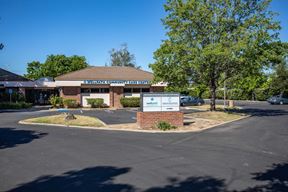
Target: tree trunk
column 213, row 96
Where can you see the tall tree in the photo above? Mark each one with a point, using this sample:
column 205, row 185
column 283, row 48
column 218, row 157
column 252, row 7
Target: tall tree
column 34, row 70
column 280, row 77
column 122, row 57
column 210, row 41
column 54, row 66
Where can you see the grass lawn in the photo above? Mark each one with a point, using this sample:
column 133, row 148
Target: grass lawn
column 60, row 119
column 216, row 115
column 207, row 107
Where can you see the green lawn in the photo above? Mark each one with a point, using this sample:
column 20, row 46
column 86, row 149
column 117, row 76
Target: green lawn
column 60, row 119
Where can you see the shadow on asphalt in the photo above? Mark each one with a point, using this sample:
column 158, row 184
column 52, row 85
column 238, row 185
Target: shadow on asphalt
column 11, row 137
column 276, row 177
column 263, row 112
column 92, row 179
column 102, row 178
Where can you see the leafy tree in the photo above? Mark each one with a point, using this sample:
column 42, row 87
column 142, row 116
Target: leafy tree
column 54, row 66
column 34, row 70
column 280, row 77
column 211, row 41
column 122, row 57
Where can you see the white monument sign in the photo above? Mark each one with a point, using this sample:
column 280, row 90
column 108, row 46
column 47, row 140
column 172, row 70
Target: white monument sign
column 162, row 102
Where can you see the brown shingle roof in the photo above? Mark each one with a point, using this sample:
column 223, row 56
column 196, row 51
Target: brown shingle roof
column 107, row 73
column 9, row 76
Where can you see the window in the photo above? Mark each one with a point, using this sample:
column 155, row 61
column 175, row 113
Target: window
column 95, row 90
column 136, row 90
column 85, row 90
column 127, row 90
column 104, row 90
column 145, row 90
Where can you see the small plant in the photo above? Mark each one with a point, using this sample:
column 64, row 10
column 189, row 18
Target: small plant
column 130, row 101
column 56, row 101
column 164, row 126
column 70, row 103
column 96, row 103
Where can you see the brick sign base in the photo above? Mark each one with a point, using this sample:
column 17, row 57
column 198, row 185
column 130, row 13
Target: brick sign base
column 150, row 119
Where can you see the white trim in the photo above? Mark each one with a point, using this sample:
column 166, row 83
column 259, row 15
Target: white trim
column 68, row 83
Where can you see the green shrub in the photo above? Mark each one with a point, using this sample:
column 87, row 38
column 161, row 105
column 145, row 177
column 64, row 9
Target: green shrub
column 96, row 103
column 18, row 105
column 70, row 103
column 130, row 101
column 56, row 101
column 164, row 126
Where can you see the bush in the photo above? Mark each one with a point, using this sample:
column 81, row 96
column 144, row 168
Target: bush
column 70, row 103
column 130, row 101
column 56, row 101
column 164, row 126
column 96, row 103
column 18, row 105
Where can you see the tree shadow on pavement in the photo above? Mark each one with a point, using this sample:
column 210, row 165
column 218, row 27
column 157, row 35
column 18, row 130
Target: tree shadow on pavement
column 276, row 178
column 199, row 184
column 259, row 112
column 92, row 179
column 11, row 137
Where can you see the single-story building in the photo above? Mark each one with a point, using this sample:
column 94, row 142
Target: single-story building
column 109, row 83
column 37, row 92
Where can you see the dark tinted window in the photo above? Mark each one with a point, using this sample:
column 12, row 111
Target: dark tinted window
column 136, row 90
column 127, row 90
column 95, row 90
column 145, row 90
column 104, row 90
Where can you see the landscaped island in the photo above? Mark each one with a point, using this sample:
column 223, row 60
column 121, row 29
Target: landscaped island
column 80, row 120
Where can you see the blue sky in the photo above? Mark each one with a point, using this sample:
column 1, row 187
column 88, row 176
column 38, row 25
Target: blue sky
column 33, row 29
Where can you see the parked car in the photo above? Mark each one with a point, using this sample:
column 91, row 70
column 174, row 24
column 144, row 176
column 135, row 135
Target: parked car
column 279, row 99
column 189, row 100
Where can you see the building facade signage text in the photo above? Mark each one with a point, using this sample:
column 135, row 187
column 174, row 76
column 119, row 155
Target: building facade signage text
column 145, row 82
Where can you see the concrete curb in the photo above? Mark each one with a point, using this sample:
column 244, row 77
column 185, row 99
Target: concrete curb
column 132, row 130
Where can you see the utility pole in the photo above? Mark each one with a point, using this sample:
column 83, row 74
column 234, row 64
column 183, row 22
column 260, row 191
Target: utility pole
column 224, row 90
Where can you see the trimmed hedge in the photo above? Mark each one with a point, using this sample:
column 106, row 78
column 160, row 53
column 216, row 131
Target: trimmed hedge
column 130, row 101
column 96, row 103
column 18, row 105
column 70, row 103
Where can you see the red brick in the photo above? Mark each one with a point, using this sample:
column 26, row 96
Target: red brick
column 150, row 119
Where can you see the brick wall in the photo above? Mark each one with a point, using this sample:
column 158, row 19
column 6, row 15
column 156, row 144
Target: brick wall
column 71, row 93
column 150, row 119
column 115, row 95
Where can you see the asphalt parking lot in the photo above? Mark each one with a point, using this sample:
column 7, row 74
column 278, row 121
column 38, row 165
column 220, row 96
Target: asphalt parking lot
column 245, row 156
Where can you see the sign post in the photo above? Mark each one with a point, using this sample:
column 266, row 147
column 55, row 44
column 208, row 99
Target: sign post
column 10, row 91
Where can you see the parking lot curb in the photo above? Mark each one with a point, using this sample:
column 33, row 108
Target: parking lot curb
column 133, row 130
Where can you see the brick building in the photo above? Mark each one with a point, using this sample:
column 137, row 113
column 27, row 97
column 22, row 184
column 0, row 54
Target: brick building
column 37, row 92
column 109, row 83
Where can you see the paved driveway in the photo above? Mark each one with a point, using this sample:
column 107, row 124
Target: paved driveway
column 248, row 155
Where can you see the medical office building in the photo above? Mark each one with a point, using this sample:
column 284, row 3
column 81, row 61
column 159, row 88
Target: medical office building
column 108, row 83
